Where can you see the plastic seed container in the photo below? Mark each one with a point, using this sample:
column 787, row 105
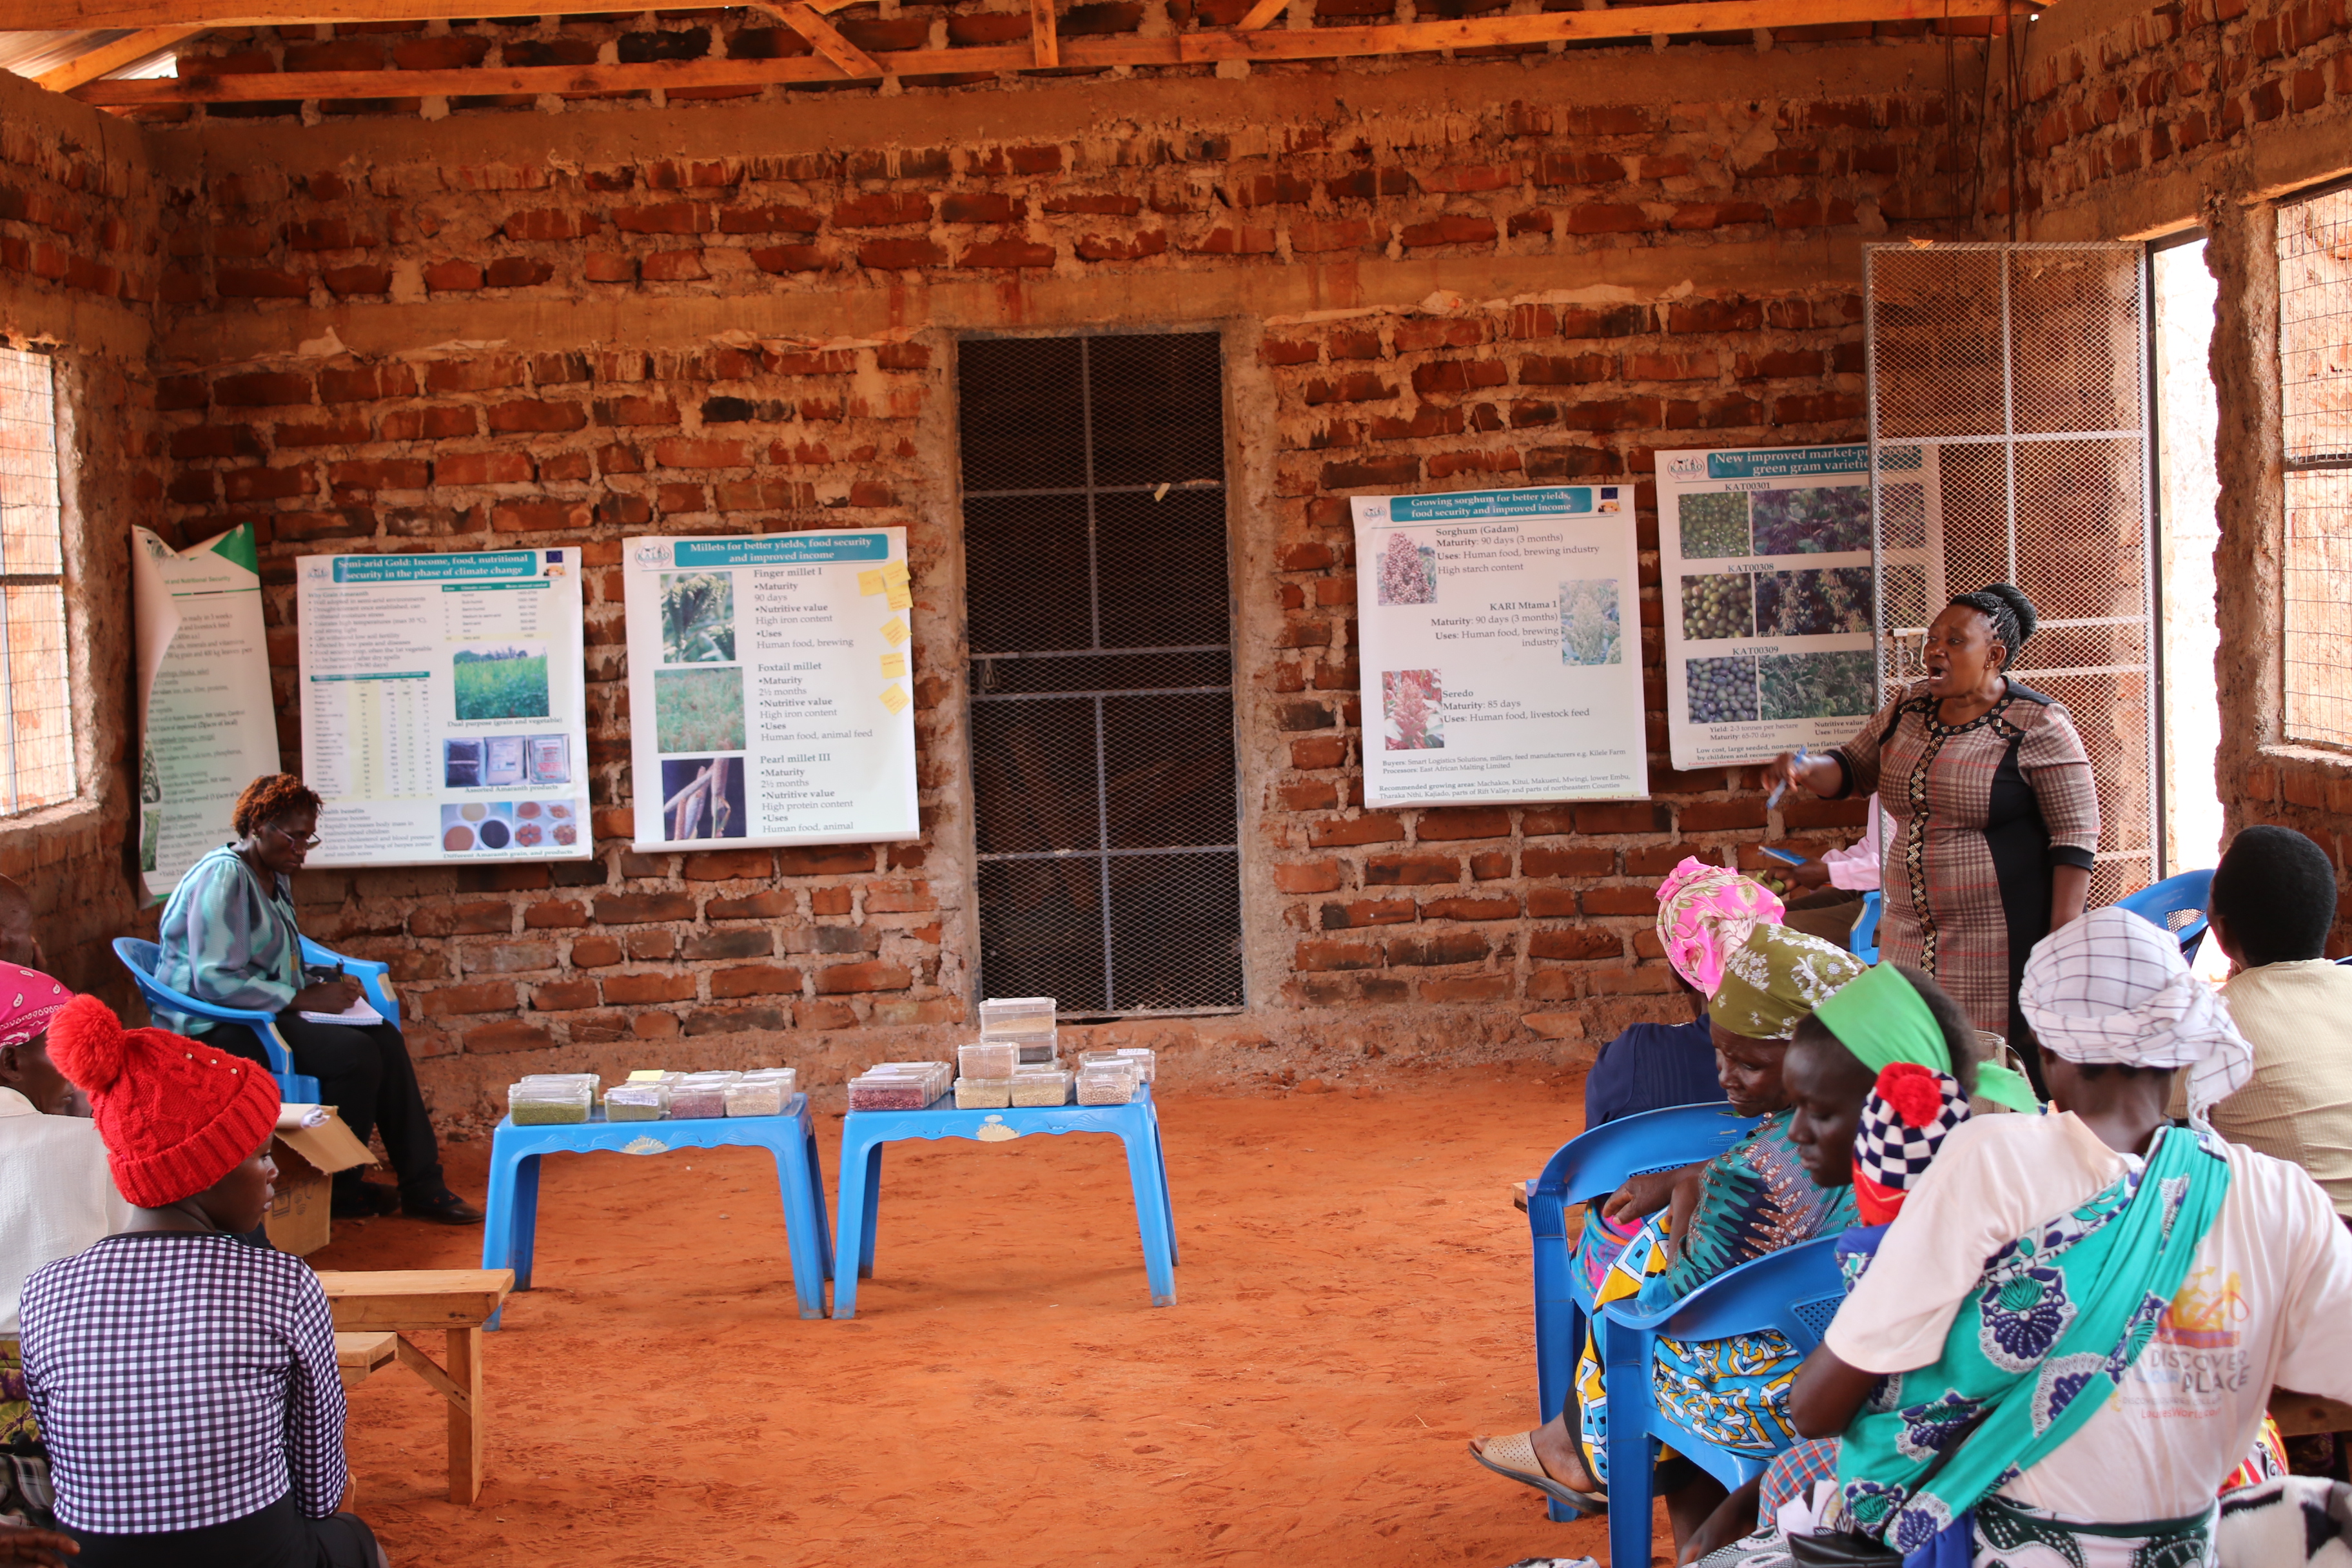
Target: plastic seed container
column 636, row 1102
column 547, row 1104
column 1146, row 1062
column 1016, row 1016
column 882, row 1089
column 1106, row 1085
column 758, row 1096
column 983, row 1093
column 692, row 1102
column 1047, row 1089
column 988, row 1059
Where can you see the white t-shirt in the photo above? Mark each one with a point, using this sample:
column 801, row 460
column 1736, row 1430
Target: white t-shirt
column 56, row 1197
column 2268, row 1302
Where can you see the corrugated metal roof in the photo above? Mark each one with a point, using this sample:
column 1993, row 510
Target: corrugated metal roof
column 33, row 55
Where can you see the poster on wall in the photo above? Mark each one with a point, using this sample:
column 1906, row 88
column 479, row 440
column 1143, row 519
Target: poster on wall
column 208, row 723
column 770, row 690
column 1501, row 638
column 444, row 707
column 1766, row 572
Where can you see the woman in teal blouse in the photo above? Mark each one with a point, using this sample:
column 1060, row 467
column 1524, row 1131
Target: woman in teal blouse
column 228, row 936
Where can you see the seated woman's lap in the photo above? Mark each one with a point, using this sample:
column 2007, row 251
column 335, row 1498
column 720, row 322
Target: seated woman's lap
column 276, row 1536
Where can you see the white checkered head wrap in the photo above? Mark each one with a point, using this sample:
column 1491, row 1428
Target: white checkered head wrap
column 1905, row 1119
column 2112, row 987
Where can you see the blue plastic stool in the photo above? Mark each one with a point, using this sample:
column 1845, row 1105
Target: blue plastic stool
column 2177, row 904
column 294, row 1088
column 1865, row 941
column 863, row 1133
column 1796, row 1290
column 511, row 1228
column 1589, row 1167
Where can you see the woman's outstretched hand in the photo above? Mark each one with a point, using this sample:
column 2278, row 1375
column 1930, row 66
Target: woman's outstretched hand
column 1810, row 771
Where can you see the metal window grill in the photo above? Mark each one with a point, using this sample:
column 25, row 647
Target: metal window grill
column 36, row 760
column 2025, row 366
column 2314, row 258
column 1097, row 602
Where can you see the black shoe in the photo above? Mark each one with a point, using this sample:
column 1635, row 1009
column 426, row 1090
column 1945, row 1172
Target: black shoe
column 443, row 1208
column 362, row 1200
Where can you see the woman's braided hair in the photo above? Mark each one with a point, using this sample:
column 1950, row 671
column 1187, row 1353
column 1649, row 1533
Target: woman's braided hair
column 268, row 799
column 2009, row 611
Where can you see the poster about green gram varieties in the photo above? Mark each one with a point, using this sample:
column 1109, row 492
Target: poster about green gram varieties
column 1769, row 582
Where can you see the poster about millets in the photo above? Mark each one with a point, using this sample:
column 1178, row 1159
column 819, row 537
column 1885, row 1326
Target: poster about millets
column 444, row 707
column 1501, row 646
column 1767, row 575
column 770, row 690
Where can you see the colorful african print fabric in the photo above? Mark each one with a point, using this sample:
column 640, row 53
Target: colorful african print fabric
column 2059, row 1316
column 1704, row 912
column 16, row 1424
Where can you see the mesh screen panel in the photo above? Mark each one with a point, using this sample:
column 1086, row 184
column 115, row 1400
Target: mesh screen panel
column 37, row 766
column 2315, row 252
column 2024, row 366
column 1099, row 607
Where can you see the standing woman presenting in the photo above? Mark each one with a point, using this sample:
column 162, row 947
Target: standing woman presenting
column 1994, row 816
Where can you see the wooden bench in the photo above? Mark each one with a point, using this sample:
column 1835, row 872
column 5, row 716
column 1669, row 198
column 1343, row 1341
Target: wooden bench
column 395, row 1303
column 2301, row 1414
column 358, row 1354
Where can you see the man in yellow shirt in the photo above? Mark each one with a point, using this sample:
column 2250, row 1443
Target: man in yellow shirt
column 2273, row 904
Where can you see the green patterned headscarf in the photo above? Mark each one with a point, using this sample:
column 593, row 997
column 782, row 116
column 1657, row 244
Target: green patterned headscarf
column 1774, row 979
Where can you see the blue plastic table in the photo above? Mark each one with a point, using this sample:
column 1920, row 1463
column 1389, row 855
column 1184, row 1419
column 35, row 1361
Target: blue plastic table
column 511, row 1224
column 863, row 1133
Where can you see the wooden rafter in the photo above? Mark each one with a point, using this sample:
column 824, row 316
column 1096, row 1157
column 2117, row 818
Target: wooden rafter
column 825, row 38
column 1204, row 46
column 1044, row 34
column 114, row 56
column 1261, row 15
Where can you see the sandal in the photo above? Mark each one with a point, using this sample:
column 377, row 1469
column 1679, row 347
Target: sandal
column 1515, row 1456
column 443, row 1208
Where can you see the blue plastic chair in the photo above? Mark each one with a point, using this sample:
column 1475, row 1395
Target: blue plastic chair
column 296, row 1089
column 864, row 1132
column 1797, row 1292
column 1589, row 1167
column 1865, row 927
column 2177, row 905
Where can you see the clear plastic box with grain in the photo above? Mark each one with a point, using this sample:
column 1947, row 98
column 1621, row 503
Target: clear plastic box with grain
column 983, row 1093
column 1142, row 1062
column 1047, row 1089
column 879, row 1090
column 636, row 1102
column 1107, row 1084
column 751, row 1095
column 987, row 1059
column 548, row 1104
column 692, row 1102
column 1016, row 1016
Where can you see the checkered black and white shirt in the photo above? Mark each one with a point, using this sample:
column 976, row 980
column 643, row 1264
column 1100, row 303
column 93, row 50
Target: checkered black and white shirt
column 183, row 1380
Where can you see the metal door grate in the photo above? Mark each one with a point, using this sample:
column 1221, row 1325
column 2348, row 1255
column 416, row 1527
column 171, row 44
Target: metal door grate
column 1099, row 607
column 2314, row 257
column 2025, row 366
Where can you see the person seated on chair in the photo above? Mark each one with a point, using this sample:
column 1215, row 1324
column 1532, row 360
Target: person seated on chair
column 185, row 1382
column 2273, row 902
column 2084, row 1312
column 1704, row 911
column 1750, row 1200
column 55, row 1199
column 228, row 937
column 1834, row 887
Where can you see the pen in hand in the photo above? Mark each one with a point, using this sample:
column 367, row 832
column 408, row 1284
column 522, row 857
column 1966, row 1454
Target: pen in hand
column 1782, row 787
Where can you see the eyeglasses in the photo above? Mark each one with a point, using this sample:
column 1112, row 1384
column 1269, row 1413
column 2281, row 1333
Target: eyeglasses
column 306, row 841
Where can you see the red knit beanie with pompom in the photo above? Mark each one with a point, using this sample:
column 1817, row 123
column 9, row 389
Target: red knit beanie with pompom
column 176, row 1114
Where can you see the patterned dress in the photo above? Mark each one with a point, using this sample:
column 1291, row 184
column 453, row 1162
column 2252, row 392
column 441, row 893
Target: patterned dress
column 1983, row 814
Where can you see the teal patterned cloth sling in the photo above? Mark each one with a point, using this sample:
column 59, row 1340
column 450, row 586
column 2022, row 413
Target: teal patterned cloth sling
column 2057, row 1320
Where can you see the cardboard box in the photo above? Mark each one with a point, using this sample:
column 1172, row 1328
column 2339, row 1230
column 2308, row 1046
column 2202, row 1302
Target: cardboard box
column 306, row 1160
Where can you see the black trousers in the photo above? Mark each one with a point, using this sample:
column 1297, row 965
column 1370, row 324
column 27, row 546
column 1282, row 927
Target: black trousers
column 276, row 1536
column 366, row 1075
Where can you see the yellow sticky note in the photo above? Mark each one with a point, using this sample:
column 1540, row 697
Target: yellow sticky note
column 894, row 698
column 868, row 583
column 647, row 1074
column 894, row 572
column 899, row 599
column 894, row 631
column 895, row 665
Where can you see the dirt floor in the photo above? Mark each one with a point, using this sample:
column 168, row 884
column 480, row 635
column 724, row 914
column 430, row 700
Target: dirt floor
column 1352, row 1305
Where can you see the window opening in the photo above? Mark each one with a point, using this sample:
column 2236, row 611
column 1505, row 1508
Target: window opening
column 36, row 760
column 1098, row 608
column 2314, row 258
column 2188, row 422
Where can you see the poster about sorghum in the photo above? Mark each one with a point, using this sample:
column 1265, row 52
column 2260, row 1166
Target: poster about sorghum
column 1501, row 640
column 1771, row 568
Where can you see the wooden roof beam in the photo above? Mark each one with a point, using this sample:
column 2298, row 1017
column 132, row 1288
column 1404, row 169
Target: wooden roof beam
column 114, row 56
column 823, row 37
column 1044, row 34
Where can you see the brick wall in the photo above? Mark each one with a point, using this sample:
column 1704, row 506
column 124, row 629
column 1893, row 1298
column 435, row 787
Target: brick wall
column 79, row 264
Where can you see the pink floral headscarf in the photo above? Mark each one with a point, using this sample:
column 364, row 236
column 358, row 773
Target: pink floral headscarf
column 1704, row 913
column 28, row 1000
